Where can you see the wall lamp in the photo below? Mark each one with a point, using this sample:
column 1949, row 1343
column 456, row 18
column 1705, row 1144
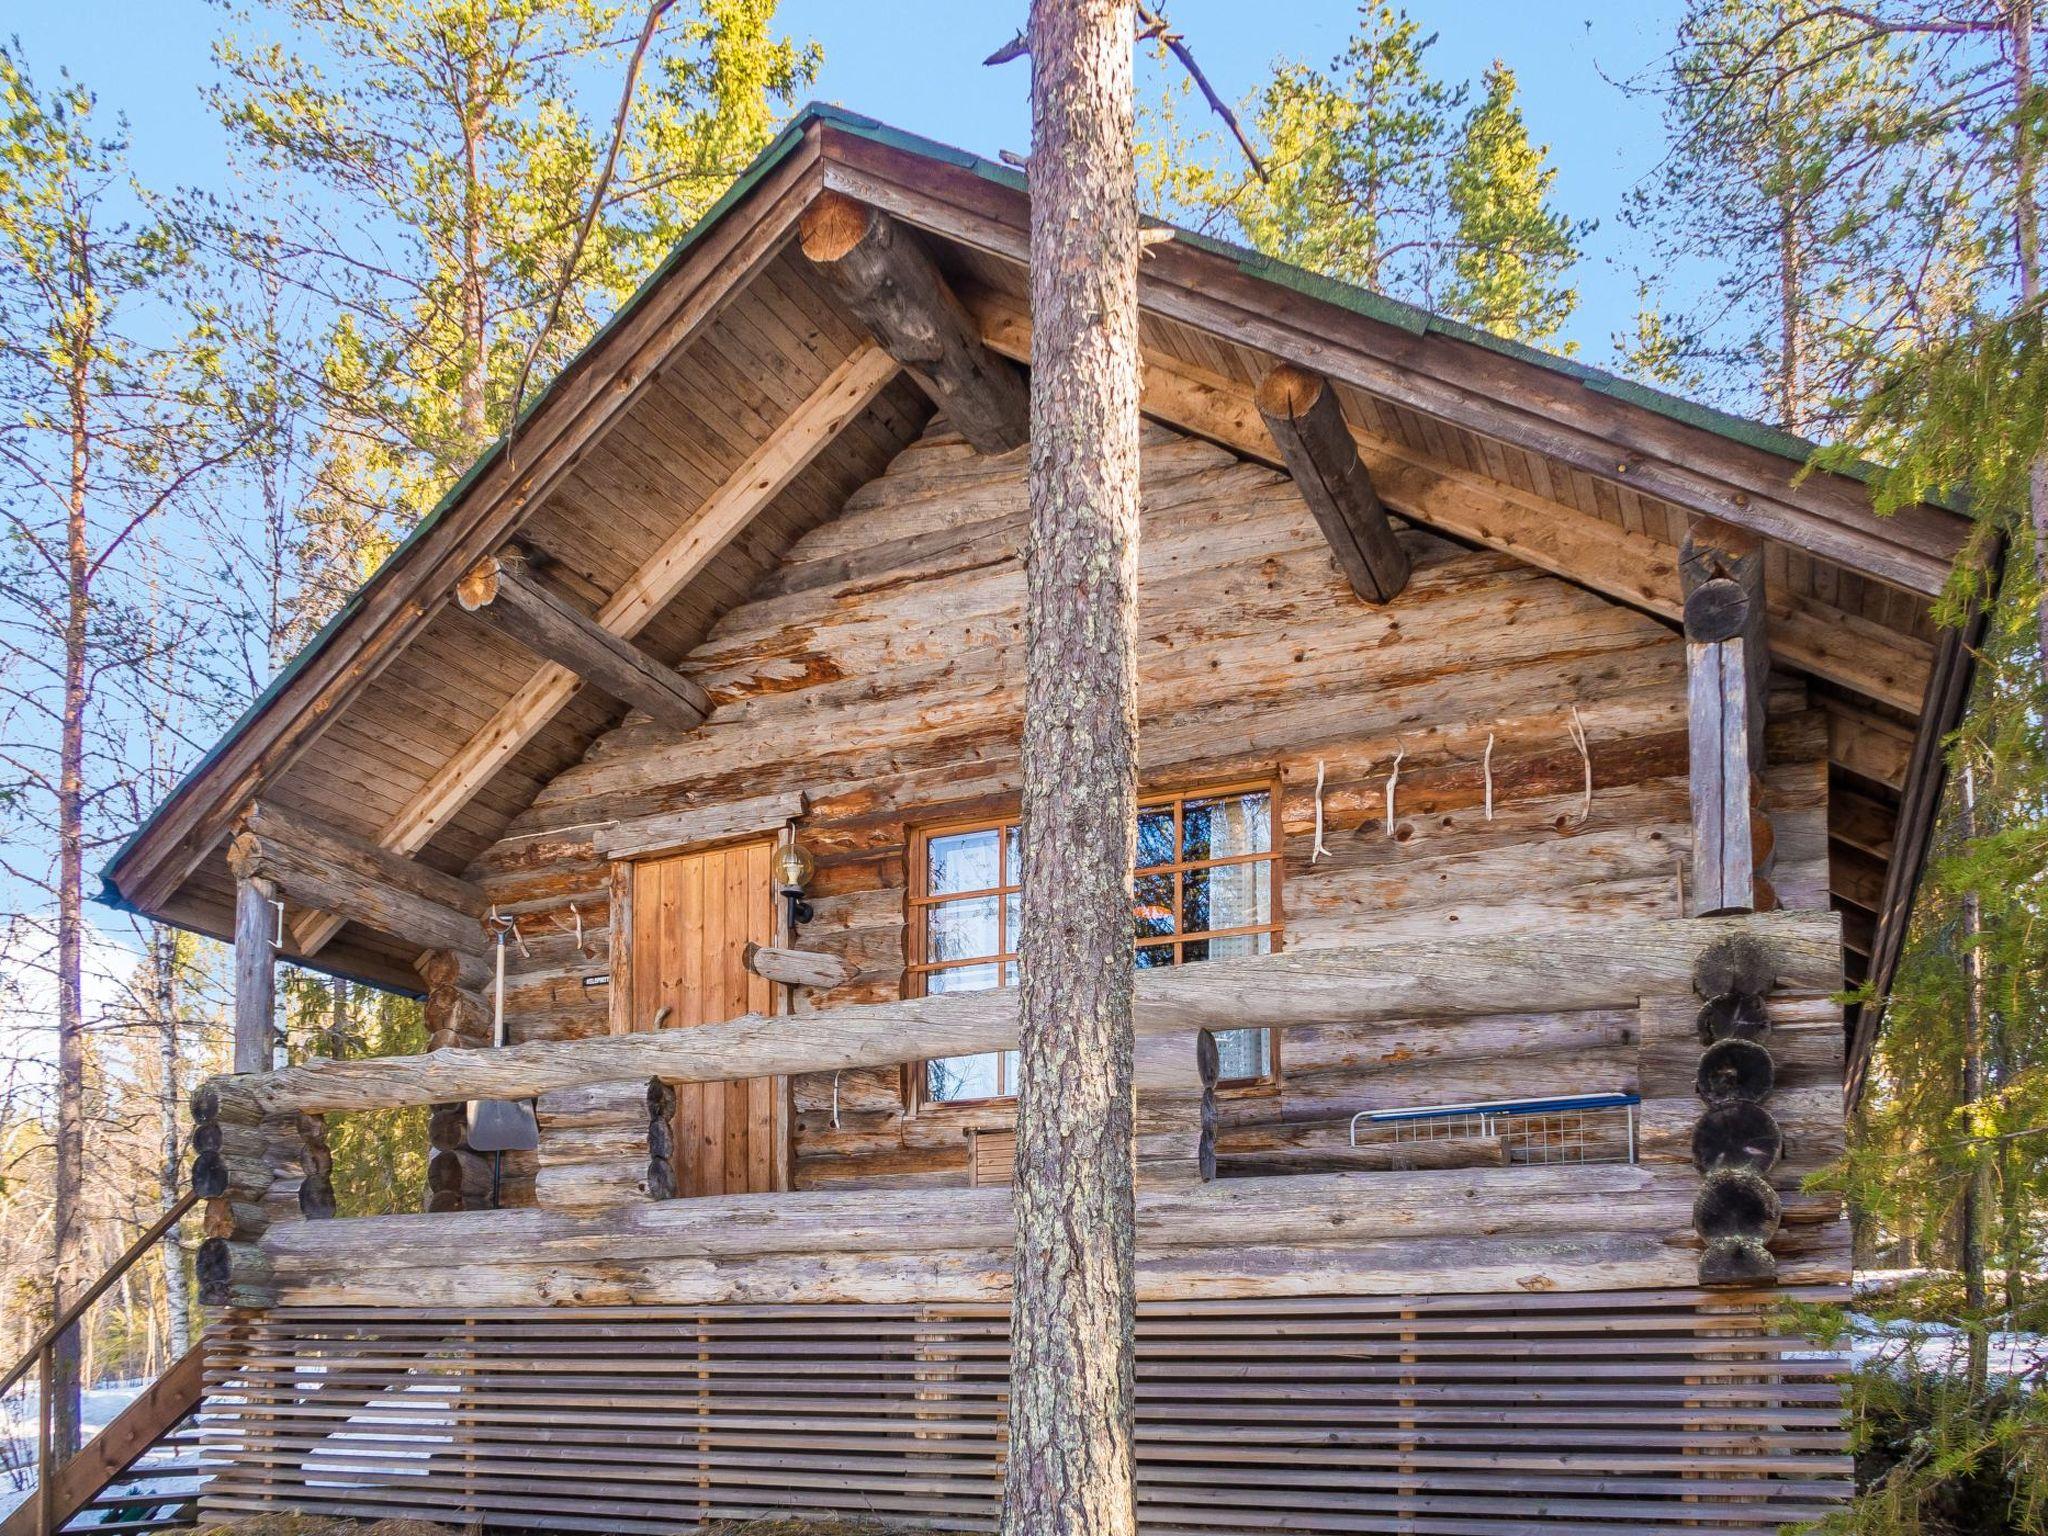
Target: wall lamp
column 794, row 867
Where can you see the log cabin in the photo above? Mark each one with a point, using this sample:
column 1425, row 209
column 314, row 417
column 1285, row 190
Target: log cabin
column 1529, row 760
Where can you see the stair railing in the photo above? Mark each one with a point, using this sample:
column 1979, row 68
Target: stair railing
column 43, row 1355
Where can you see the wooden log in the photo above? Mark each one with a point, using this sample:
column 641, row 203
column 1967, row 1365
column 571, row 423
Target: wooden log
column 1737, row 1261
column 317, row 842
column 316, row 1189
column 233, row 1274
column 661, row 1141
column 1300, row 409
column 797, row 967
column 461, row 1172
column 468, row 970
column 1609, row 966
column 1737, row 1135
column 502, row 590
column 353, row 890
column 1721, row 572
column 886, row 277
column 1735, row 1069
column 1738, row 962
column 1209, row 1068
column 1736, row 1202
column 1372, row 1157
column 1732, row 1016
column 255, row 972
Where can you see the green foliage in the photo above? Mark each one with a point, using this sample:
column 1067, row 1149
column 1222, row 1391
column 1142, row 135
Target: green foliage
column 1354, row 154
column 1808, row 167
column 1512, row 249
column 380, row 1156
column 440, row 166
column 1374, row 177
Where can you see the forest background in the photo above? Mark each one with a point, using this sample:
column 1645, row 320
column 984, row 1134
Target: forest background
column 256, row 319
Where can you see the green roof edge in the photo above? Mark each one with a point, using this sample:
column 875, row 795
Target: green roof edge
column 1349, row 296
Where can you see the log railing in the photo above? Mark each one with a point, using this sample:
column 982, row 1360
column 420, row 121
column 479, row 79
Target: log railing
column 256, row 1129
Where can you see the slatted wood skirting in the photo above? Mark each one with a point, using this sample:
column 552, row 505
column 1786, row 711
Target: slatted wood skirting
column 1460, row 1416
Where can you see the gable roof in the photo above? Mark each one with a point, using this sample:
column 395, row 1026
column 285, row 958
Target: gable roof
column 697, row 377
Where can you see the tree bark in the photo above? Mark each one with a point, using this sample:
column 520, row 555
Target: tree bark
column 1976, row 1201
column 68, row 1173
column 1070, row 1465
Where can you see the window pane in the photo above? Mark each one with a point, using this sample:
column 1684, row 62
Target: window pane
column 1151, row 956
column 1010, row 1059
column 1013, row 854
column 960, row 930
column 1228, row 949
column 961, row 861
column 1229, row 825
column 961, row 1077
column 1152, row 908
column 966, row 978
column 1229, row 896
column 1155, row 836
column 1013, row 914
column 1242, row 1053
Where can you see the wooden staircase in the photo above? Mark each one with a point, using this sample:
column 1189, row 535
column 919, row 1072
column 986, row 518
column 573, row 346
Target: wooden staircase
column 141, row 1472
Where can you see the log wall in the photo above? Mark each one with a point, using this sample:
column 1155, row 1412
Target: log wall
column 879, row 671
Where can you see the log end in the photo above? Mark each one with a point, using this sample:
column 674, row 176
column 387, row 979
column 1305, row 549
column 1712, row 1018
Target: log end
column 1288, row 392
column 832, row 226
column 1738, row 1261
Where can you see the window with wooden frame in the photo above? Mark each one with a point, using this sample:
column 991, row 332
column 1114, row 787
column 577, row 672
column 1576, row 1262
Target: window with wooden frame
column 1206, row 886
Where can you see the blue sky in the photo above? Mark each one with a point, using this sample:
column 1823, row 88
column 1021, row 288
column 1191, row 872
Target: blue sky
column 917, row 64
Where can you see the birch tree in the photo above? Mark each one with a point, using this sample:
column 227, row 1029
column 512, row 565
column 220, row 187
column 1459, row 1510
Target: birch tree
column 105, row 379
column 1070, row 1465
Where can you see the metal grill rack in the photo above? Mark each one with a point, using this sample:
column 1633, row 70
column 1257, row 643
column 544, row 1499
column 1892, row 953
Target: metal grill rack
column 1569, row 1128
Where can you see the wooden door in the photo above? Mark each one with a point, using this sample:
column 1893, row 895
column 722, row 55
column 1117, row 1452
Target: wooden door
column 693, row 916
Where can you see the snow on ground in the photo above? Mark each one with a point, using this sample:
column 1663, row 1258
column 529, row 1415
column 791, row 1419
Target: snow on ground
column 18, row 1444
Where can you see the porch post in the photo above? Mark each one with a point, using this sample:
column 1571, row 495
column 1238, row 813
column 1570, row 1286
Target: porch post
column 1721, row 571
column 255, row 973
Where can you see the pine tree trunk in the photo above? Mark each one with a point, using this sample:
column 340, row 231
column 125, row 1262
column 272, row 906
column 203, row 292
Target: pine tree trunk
column 1070, row 1468
column 66, row 1235
column 1976, row 1202
column 177, row 1297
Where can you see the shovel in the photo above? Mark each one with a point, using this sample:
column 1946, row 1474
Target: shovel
column 498, row 1126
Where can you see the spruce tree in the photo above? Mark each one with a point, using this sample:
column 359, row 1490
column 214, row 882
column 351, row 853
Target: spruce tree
column 1513, row 251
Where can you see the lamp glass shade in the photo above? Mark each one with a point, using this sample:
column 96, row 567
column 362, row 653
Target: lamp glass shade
column 793, row 866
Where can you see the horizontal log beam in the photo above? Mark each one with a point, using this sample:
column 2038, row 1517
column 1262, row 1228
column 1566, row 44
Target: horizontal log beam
column 1522, row 1229
column 319, row 867
column 503, row 591
column 1560, row 969
column 886, row 277
column 797, row 967
column 1300, row 409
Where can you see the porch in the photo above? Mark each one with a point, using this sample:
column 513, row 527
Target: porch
column 1451, row 1349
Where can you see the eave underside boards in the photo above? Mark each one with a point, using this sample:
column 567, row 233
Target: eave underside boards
column 693, row 426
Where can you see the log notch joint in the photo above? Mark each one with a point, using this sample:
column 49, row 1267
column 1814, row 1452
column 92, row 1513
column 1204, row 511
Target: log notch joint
column 882, row 272
column 503, row 590
column 1301, row 411
column 457, row 1018
column 1721, row 571
column 238, row 1155
column 1736, row 1141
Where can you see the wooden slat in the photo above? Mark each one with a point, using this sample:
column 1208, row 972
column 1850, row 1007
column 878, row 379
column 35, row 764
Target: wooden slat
column 1620, row 1412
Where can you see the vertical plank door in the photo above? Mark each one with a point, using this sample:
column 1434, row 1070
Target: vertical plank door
column 693, row 916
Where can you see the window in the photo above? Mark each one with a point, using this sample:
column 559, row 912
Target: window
column 1203, row 889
